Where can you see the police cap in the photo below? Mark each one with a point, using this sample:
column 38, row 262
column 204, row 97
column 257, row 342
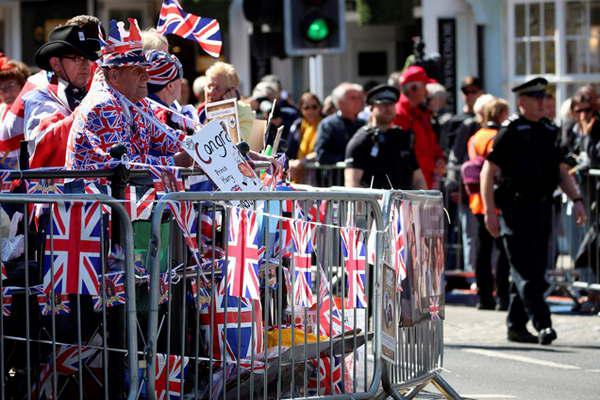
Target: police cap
column 533, row 88
column 383, row 94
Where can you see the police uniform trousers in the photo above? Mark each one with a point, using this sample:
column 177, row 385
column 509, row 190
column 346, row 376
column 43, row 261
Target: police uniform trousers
column 526, row 231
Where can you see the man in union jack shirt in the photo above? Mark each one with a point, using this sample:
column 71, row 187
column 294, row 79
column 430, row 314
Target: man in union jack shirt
column 115, row 112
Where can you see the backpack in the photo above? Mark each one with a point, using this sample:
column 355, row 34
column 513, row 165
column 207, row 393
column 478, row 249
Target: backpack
column 469, row 173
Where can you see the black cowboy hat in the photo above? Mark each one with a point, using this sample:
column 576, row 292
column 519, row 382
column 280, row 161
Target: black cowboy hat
column 67, row 39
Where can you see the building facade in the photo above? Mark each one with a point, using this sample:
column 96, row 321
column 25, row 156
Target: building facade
column 507, row 42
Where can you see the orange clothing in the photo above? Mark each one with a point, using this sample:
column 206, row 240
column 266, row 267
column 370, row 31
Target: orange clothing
column 427, row 149
column 480, row 144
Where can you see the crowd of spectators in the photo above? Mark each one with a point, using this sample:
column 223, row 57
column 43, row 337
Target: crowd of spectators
column 61, row 111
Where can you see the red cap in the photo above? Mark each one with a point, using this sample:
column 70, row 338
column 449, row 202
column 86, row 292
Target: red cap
column 415, row 73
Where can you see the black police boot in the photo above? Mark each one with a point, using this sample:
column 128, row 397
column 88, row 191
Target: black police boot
column 486, row 303
column 521, row 336
column 547, row 336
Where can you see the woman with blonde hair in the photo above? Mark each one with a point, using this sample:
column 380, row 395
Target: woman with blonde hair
column 492, row 112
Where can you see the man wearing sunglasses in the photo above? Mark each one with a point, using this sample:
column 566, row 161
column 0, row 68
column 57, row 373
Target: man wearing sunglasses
column 67, row 60
column 528, row 166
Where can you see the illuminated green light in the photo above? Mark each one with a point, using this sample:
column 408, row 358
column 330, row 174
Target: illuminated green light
column 317, row 30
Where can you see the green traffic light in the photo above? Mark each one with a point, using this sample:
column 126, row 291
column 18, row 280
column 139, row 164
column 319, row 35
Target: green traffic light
column 318, row 29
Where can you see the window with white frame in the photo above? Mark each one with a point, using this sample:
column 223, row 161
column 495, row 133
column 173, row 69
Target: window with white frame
column 558, row 39
column 582, row 35
column 534, row 38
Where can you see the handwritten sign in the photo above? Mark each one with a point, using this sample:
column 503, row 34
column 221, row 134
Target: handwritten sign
column 226, row 111
column 212, row 148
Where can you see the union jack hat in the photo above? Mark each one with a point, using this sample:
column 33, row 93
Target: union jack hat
column 122, row 48
column 164, row 68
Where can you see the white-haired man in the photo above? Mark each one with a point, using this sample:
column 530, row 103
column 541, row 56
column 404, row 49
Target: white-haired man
column 336, row 130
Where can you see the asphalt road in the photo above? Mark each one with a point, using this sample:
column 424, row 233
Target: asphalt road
column 481, row 364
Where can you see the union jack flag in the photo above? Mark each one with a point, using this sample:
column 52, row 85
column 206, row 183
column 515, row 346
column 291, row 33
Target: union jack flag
column 45, row 186
column 255, row 366
column 327, row 377
column 206, row 31
column 318, row 211
column 67, row 363
column 139, row 201
column 166, row 179
column 434, row 308
column 199, row 183
column 7, row 300
column 62, row 304
column 330, row 316
column 222, row 316
column 186, row 216
column 302, row 236
column 284, row 245
column 244, row 255
column 353, row 248
column 73, row 252
column 399, row 248
column 164, row 288
column 114, row 289
column 170, row 378
column 100, row 186
column 7, row 185
column 42, row 186
column 330, row 319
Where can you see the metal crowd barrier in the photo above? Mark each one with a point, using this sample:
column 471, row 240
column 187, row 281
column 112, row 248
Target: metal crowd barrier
column 274, row 345
column 584, row 246
column 314, row 321
column 62, row 343
column 292, row 348
column 416, row 356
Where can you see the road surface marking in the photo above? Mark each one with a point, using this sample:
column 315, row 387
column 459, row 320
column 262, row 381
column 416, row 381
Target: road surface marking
column 488, row 396
column 524, row 359
column 592, row 370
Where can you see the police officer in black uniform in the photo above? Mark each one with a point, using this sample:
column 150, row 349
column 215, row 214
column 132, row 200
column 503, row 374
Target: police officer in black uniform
column 381, row 155
column 528, row 166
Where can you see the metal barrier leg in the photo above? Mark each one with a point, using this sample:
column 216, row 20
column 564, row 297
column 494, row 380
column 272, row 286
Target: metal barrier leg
column 387, row 387
column 445, row 388
column 415, row 391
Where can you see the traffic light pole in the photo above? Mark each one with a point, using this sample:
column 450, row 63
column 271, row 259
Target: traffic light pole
column 315, row 75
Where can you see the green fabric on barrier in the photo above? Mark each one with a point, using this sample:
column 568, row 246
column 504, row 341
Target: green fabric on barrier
column 141, row 235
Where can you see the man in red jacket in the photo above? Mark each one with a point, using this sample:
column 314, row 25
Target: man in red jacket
column 411, row 113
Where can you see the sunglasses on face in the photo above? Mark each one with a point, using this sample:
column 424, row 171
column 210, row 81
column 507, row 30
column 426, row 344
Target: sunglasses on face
column 583, row 110
column 76, row 59
column 413, row 87
column 310, row 107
